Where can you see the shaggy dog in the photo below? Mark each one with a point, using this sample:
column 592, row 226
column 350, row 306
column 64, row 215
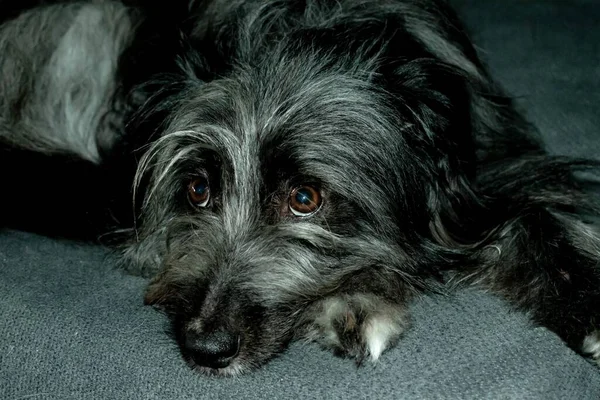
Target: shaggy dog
column 299, row 169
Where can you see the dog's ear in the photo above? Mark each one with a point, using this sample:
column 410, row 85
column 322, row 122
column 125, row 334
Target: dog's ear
column 437, row 100
column 463, row 121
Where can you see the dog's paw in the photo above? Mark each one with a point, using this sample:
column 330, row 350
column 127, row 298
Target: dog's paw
column 358, row 326
column 591, row 346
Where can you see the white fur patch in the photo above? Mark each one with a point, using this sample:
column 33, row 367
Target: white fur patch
column 332, row 308
column 591, row 346
column 379, row 333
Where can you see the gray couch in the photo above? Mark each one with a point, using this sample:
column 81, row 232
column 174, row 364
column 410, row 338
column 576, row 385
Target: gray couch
column 72, row 326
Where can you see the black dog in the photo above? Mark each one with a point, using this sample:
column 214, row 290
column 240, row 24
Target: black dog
column 300, row 169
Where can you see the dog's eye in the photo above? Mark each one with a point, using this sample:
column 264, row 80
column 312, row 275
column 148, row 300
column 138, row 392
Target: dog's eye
column 304, row 201
column 199, row 192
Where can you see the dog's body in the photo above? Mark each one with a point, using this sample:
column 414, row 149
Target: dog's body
column 302, row 169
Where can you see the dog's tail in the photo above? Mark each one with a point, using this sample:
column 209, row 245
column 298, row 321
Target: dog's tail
column 539, row 245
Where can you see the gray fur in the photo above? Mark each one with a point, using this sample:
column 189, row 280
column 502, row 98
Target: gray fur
column 247, row 261
column 57, row 76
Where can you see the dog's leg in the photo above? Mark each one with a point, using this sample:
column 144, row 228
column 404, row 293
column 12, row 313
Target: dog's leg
column 543, row 258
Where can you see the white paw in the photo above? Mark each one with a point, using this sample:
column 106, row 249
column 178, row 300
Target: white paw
column 591, row 346
column 358, row 326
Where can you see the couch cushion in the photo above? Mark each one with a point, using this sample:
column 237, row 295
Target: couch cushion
column 73, row 327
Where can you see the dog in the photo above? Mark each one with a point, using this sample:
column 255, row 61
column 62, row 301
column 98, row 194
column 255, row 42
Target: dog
column 290, row 169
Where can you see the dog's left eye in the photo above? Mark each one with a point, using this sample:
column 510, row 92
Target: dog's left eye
column 199, row 192
column 305, row 201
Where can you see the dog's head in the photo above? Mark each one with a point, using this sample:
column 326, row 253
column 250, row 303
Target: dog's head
column 299, row 175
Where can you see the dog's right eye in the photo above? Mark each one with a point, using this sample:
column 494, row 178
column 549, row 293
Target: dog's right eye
column 305, row 201
column 199, row 192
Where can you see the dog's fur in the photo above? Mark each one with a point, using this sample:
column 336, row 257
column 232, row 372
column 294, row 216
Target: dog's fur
column 426, row 169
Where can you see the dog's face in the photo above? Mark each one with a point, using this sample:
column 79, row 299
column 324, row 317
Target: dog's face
column 278, row 187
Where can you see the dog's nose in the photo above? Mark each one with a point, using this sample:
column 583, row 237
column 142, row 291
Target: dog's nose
column 212, row 349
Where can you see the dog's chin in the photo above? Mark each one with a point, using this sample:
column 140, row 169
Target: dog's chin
column 241, row 365
column 236, row 368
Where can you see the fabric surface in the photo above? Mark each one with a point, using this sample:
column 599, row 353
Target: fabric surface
column 546, row 53
column 74, row 327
